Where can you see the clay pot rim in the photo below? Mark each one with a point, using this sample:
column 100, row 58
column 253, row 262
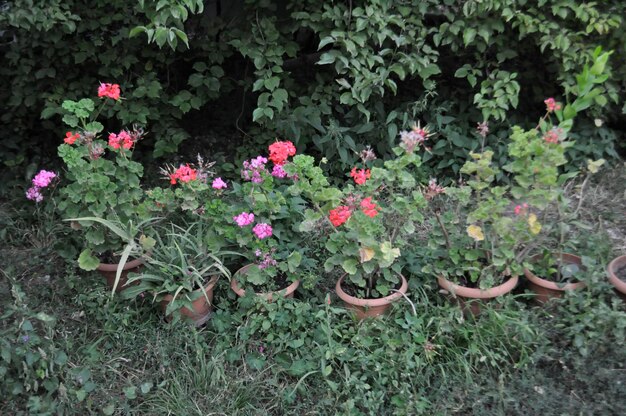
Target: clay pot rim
column 475, row 293
column 619, row 284
column 387, row 300
column 570, row 258
column 209, row 286
column 284, row 292
column 112, row 267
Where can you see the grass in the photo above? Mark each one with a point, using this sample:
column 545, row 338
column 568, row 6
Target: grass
column 304, row 357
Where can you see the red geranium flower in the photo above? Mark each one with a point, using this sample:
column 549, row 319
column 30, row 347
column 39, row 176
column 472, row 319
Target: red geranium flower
column 339, row 215
column 109, row 90
column 369, row 208
column 360, row 175
column 184, row 174
column 280, row 151
column 70, row 138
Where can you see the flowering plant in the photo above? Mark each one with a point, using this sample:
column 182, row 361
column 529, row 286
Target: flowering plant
column 44, row 179
column 192, row 188
column 486, row 235
column 102, row 179
column 264, row 220
column 369, row 222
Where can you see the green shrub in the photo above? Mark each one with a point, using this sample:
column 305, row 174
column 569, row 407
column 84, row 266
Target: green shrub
column 329, row 76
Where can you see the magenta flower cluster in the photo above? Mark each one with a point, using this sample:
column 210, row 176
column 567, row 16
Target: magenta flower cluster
column 42, row 180
column 243, row 219
column 278, row 172
column 253, row 169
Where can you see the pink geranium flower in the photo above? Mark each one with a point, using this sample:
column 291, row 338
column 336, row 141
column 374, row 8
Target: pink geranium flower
column 244, row 219
column 218, row 183
column 43, row 178
column 551, row 104
column 262, row 230
column 34, row 194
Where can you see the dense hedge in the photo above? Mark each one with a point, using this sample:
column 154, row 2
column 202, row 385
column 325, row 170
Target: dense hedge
column 331, row 76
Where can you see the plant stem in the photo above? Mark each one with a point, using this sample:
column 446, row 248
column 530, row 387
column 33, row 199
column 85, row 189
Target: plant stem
column 319, row 209
column 445, row 232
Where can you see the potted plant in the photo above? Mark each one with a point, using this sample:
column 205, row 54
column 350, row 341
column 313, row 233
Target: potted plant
column 181, row 272
column 263, row 222
column 551, row 274
column 475, row 240
column 504, row 222
column 137, row 244
column 617, row 275
column 102, row 180
column 368, row 224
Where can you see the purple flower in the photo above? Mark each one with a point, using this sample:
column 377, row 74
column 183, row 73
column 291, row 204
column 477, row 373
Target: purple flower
column 278, row 172
column 218, row 183
column 262, row 230
column 43, row 178
column 244, row 219
column 34, row 194
column 25, row 338
column 253, row 169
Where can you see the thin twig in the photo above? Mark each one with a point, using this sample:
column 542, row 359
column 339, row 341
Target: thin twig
column 407, row 299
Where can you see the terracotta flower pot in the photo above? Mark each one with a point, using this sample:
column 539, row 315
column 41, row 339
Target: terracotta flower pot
column 470, row 299
column 545, row 289
column 369, row 308
column 200, row 309
column 620, row 285
column 287, row 292
column 110, row 270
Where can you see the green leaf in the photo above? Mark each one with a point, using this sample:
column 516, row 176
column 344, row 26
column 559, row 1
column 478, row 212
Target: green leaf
column 349, row 265
column 94, row 126
column 81, row 395
column 87, row 261
column 136, row 30
column 145, row 387
column 257, row 114
column 280, row 95
column 130, row 392
column 182, row 36
column 293, row 261
column 468, row 35
column 272, row 83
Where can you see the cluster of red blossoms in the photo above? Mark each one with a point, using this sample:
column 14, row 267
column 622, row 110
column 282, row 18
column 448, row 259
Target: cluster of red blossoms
column 123, row 139
column 360, row 176
column 280, row 151
column 342, row 213
column 184, row 174
column 109, row 91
